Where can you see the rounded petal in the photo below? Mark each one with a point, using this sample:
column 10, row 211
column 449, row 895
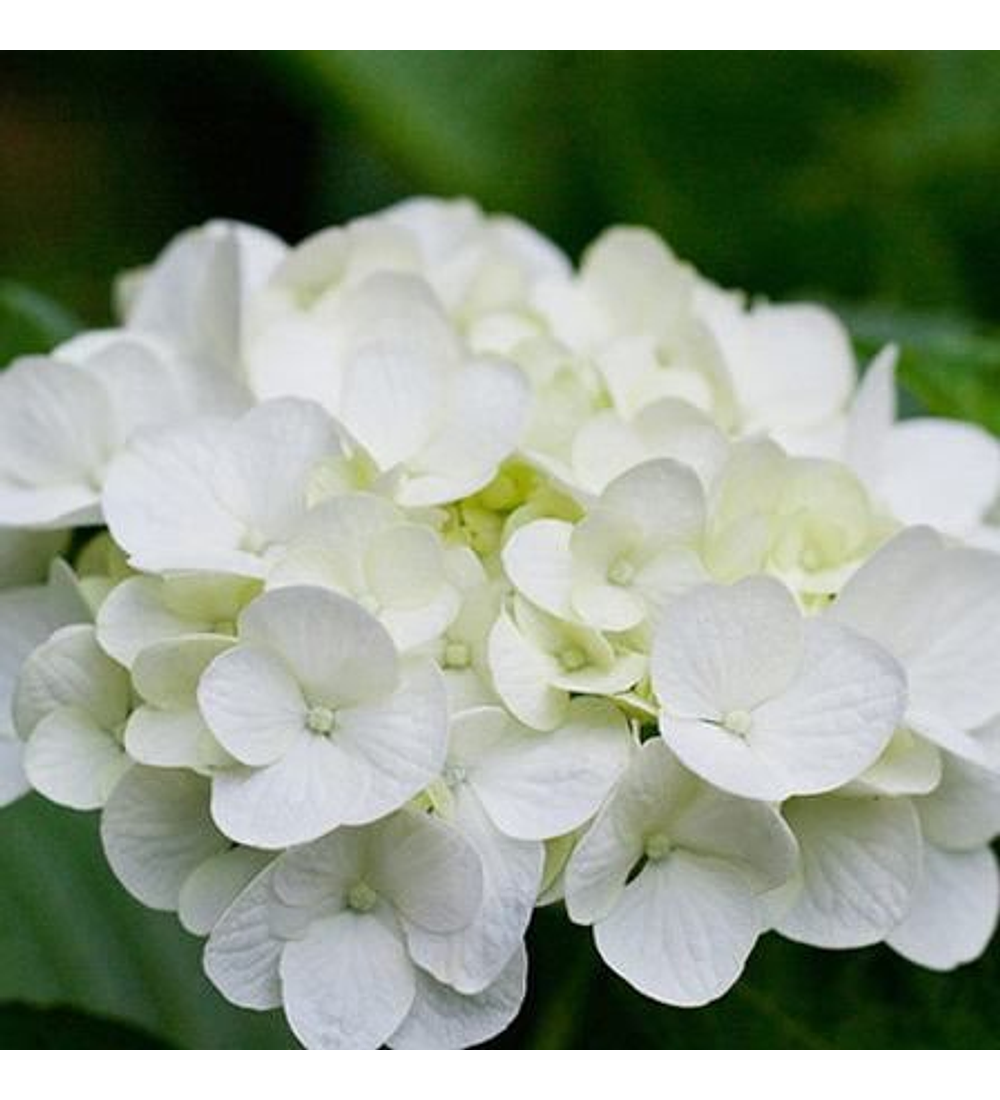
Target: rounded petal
column 940, row 472
column 399, row 742
column 682, row 930
column 538, row 785
column 441, row 1018
column 539, row 562
column 252, row 704
column 215, row 884
column 663, row 498
column 953, row 914
column 429, row 871
column 860, row 868
column 725, row 648
column 347, row 984
column 963, row 811
column 471, row 959
column 836, row 717
column 521, row 675
column 72, row 760
column 242, row 954
column 312, row 789
column 156, row 830
column 339, row 654
column 71, row 670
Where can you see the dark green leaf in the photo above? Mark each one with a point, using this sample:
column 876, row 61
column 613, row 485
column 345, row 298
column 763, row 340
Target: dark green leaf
column 70, row 936
column 24, row 1027
column 30, row 323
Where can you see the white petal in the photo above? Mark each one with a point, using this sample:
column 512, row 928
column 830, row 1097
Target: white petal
column 429, row 871
column 486, row 413
column 472, row 958
column 940, row 472
column 861, row 860
column 963, row 811
column 399, row 742
column 719, row 649
column 838, row 714
column 682, row 930
column 538, row 785
column 156, row 830
column 161, row 507
column 347, row 984
column 339, row 654
column 539, row 562
column 262, row 472
column 173, row 739
column 72, row 760
column 70, row 670
column 954, row 912
column 662, row 498
column 312, row 789
column 521, row 676
column 243, row 953
column 441, row 1018
column 252, row 704
column 215, row 884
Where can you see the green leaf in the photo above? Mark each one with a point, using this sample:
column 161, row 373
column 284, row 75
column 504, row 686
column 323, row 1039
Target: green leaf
column 71, row 937
column 30, row 323
column 23, row 1027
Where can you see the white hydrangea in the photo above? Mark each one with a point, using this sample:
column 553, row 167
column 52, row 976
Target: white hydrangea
column 442, row 580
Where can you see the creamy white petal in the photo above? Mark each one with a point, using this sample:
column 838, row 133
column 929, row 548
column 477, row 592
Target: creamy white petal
column 72, row 760
column 156, row 831
column 953, row 914
column 860, row 869
column 215, row 884
column 347, row 984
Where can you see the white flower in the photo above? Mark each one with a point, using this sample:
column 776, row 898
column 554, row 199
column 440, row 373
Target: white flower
column 680, row 929
column 953, row 914
column 160, row 841
column 64, row 418
column 327, row 930
column 859, row 869
column 216, row 495
column 436, row 421
column 28, row 616
column 328, row 724
column 632, row 307
column 144, row 610
column 536, row 661
column 637, row 546
column 936, row 608
column 765, row 704
column 791, row 366
column 194, row 296
column 807, row 521
column 926, row 469
column 507, row 788
column 363, row 547
column 70, row 706
column 166, row 729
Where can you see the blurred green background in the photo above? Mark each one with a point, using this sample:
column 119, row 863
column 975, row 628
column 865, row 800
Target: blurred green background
column 869, row 180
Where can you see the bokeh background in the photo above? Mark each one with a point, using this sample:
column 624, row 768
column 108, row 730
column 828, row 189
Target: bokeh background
column 869, row 180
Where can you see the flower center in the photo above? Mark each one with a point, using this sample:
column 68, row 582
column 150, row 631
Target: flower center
column 361, row 898
column 739, row 722
column 622, row 572
column 457, row 655
column 657, row 847
column 454, row 775
column 321, row 720
column 572, row 658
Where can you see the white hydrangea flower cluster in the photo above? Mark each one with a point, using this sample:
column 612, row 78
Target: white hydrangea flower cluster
column 419, row 579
